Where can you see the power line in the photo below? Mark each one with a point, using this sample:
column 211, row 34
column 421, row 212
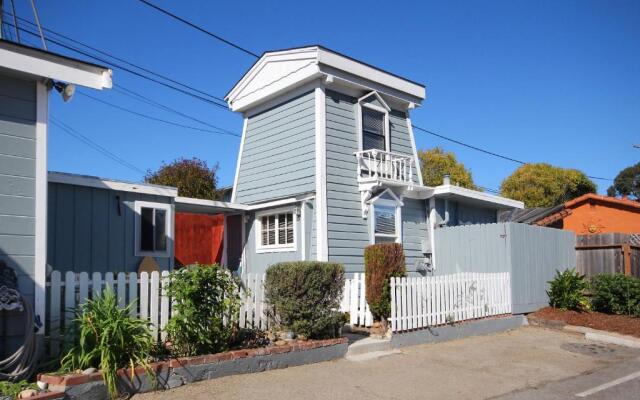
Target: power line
column 89, row 142
column 487, row 151
column 194, row 26
column 107, row 62
column 156, row 119
column 125, row 61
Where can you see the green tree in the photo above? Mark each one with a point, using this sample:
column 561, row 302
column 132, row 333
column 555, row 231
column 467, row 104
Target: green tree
column 543, row 185
column 627, row 183
column 192, row 177
column 435, row 163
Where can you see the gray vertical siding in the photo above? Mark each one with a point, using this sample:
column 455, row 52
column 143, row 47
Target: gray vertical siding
column 465, row 214
column 17, row 193
column 93, row 230
column 347, row 231
column 415, row 230
column 532, row 254
column 278, row 155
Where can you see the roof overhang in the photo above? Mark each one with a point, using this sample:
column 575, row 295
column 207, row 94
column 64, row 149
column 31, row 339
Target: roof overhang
column 202, row 206
column 100, row 183
column 475, row 197
column 278, row 72
column 38, row 64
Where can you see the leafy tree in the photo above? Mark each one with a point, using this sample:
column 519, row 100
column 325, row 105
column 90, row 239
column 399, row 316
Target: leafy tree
column 436, row 163
column 192, row 177
column 627, row 183
column 543, row 185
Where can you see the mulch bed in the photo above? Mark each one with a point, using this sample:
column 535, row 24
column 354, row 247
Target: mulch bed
column 595, row 320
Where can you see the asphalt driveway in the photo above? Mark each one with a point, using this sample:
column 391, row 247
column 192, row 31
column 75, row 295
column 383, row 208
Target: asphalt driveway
column 517, row 364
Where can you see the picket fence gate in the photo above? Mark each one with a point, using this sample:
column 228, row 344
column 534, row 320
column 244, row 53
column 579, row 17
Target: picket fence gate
column 436, row 300
column 354, row 301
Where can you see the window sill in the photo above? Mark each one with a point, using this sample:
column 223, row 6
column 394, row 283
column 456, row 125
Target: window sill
column 287, row 249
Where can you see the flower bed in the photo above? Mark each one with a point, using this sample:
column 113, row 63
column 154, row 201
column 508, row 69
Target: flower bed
column 177, row 372
column 622, row 324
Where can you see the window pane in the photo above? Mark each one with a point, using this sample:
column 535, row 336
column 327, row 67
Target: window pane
column 385, row 220
column 264, row 228
column 385, row 239
column 289, row 228
column 272, row 230
column 161, row 230
column 146, row 229
column 373, row 141
column 282, row 232
column 372, row 121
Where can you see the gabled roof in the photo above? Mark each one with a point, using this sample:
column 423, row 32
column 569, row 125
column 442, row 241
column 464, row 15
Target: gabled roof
column 277, row 72
column 592, row 197
column 37, row 63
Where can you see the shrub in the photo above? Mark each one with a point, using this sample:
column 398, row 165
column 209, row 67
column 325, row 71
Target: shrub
column 13, row 389
column 107, row 337
column 567, row 291
column 304, row 297
column 382, row 262
column 616, row 294
column 204, row 295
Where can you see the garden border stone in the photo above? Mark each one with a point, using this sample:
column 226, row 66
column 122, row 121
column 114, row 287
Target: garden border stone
column 177, row 372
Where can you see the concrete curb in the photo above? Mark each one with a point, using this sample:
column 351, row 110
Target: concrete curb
column 458, row 331
column 604, row 336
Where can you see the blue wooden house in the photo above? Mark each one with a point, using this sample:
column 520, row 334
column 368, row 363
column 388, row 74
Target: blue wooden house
column 328, row 165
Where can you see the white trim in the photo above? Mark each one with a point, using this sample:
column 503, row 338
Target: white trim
column 212, row 203
column 137, row 206
column 276, row 248
column 385, row 111
column 322, row 245
column 415, row 150
column 372, row 223
column 476, row 195
column 303, row 231
column 390, row 192
column 40, row 259
column 49, row 65
column 235, row 179
column 243, row 230
column 432, row 229
column 100, row 183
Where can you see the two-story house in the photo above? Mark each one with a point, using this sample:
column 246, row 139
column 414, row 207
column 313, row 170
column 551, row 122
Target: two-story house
column 328, row 165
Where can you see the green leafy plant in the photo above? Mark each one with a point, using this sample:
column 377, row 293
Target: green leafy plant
column 616, row 294
column 105, row 336
column 204, row 296
column 13, row 389
column 567, row 291
column 304, row 297
column 381, row 262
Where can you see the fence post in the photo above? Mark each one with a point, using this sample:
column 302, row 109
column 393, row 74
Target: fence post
column 393, row 304
column 626, row 256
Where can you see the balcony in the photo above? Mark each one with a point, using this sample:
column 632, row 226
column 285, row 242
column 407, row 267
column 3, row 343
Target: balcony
column 377, row 168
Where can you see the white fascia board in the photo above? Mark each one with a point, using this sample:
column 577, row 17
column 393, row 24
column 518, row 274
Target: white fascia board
column 48, row 65
column 211, row 203
column 95, row 182
column 476, row 195
column 337, row 61
column 277, row 203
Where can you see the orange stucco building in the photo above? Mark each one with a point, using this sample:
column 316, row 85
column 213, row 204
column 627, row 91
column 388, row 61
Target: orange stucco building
column 592, row 213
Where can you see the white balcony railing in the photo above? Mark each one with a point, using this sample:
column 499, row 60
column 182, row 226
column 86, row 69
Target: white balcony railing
column 385, row 166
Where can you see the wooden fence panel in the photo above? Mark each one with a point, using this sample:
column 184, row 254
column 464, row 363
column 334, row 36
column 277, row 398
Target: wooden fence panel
column 608, row 253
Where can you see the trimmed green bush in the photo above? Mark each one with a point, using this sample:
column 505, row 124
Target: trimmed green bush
column 616, row 294
column 567, row 291
column 381, row 262
column 304, row 297
column 202, row 295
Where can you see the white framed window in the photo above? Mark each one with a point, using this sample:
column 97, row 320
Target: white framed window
column 153, row 229
column 276, row 231
column 373, row 123
column 386, row 218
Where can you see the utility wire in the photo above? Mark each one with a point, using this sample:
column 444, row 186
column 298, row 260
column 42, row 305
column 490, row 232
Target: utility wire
column 487, row 151
column 107, row 62
column 154, row 118
column 196, row 27
column 129, row 63
column 89, row 142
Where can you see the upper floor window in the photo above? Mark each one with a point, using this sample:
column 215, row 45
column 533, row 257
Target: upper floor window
column 374, row 122
column 276, row 231
column 153, row 229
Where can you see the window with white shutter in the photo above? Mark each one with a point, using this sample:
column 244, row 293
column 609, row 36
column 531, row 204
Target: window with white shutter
column 276, row 231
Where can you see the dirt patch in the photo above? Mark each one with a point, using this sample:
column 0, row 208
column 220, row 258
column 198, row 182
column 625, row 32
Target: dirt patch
column 605, row 322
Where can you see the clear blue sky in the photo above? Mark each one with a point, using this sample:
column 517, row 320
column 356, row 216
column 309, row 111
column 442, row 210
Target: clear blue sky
column 553, row 81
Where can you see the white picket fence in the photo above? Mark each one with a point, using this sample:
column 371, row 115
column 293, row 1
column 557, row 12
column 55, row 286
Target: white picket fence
column 436, row 300
column 354, row 301
column 146, row 289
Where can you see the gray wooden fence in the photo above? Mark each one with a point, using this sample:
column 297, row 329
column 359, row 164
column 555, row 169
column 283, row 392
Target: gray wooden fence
column 531, row 253
column 608, row 253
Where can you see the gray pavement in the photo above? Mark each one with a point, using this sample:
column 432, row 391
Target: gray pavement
column 526, row 363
